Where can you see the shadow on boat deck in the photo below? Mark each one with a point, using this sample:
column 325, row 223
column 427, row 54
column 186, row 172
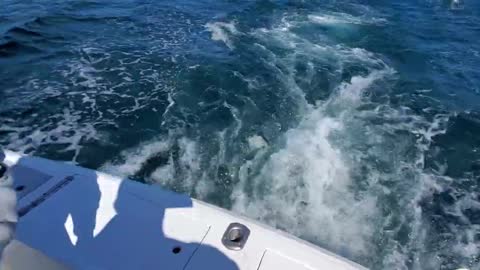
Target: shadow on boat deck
column 92, row 221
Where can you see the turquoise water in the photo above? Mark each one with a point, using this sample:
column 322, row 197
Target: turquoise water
column 352, row 124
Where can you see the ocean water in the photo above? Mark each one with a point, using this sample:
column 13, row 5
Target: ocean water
column 354, row 125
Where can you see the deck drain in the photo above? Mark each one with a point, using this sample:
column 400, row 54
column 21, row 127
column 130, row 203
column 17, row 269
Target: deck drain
column 176, row 250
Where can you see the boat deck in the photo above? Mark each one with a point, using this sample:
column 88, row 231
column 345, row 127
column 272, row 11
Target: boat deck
column 89, row 220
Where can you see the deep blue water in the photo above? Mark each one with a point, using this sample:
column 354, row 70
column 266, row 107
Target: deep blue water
column 352, row 124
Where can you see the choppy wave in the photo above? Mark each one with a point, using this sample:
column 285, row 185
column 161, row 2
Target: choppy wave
column 12, row 48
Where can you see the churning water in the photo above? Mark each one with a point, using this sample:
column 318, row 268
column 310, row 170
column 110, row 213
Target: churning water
column 352, row 124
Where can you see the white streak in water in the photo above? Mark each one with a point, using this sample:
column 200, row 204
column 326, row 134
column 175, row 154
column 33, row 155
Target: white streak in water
column 221, row 32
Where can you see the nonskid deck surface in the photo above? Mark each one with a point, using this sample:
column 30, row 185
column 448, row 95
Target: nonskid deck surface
column 89, row 220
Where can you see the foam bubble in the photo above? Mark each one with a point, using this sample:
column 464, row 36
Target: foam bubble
column 256, row 142
column 221, row 32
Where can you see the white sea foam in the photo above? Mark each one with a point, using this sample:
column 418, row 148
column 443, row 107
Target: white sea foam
column 308, row 182
column 350, row 93
column 329, row 19
column 181, row 171
column 132, row 160
column 221, row 31
column 73, row 122
column 171, row 103
column 305, row 187
column 256, row 142
column 64, row 129
column 337, row 18
column 236, row 116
